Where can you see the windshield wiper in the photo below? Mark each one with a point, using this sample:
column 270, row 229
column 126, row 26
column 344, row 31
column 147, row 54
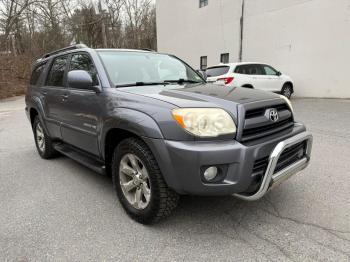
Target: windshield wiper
column 182, row 81
column 144, row 84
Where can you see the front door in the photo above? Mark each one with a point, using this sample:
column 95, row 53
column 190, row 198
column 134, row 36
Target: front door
column 80, row 127
column 273, row 80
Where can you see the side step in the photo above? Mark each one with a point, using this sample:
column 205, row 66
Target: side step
column 81, row 157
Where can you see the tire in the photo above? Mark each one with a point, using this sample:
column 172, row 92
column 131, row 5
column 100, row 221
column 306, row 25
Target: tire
column 42, row 141
column 157, row 201
column 287, row 90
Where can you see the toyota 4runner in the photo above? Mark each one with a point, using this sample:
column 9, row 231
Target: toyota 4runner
column 155, row 125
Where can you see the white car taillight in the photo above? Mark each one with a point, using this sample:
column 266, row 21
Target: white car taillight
column 226, row 80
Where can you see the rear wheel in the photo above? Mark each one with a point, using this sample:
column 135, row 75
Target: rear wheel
column 139, row 183
column 287, row 90
column 42, row 141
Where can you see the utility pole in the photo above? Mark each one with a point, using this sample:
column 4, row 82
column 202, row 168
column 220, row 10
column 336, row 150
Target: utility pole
column 102, row 9
column 241, row 33
column 103, row 30
column 103, row 25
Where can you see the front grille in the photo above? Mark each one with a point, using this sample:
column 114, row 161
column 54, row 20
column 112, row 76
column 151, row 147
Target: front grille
column 257, row 125
column 289, row 156
column 261, row 111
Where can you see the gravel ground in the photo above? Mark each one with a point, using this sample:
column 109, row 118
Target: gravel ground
column 58, row 210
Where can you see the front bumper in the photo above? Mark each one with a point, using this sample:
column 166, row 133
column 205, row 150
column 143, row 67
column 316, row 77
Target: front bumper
column 182, row 162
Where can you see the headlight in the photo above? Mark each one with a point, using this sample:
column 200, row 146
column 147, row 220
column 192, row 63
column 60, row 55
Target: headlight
column 288, row 102
column 205, row 122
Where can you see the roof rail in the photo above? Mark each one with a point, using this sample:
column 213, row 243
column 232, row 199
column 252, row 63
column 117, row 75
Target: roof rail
column 72, row 47
column 147, row 49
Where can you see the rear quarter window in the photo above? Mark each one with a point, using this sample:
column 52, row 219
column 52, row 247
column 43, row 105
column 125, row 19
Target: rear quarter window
column 217, row 71
column 37, row 72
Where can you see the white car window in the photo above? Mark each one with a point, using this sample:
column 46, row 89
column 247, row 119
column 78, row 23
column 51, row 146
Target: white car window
column 269, row 70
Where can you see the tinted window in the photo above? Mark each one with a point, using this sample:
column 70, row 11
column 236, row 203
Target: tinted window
column 217, row 71
column 256, row 70
column 36, row 74
column 56, row 74
column 269, row 70
column 249, row 70
column 84, row 62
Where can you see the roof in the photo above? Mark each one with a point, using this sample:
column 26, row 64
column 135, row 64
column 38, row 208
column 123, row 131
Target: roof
column 236, row 64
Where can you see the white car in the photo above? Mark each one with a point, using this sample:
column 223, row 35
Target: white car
column 251, row 75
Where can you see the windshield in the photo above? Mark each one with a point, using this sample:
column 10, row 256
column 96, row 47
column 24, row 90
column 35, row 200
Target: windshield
column 128, row 68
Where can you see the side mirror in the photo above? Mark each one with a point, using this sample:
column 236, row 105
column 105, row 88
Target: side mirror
column 279, row 73
column 81, row 79
column 203, row 74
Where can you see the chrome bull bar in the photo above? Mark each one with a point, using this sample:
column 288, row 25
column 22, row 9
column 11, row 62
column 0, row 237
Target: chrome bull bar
column 271, row 178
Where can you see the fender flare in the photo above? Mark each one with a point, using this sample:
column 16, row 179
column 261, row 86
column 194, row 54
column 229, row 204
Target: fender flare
column 35, row 103
column 132, row 121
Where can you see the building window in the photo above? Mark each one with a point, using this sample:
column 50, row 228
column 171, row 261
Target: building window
column 225, row 58
column 203, row 3
column 204, row 62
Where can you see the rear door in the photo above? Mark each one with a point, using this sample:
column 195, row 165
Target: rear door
column 252, row 74
column 54, row 92
column 80, row 127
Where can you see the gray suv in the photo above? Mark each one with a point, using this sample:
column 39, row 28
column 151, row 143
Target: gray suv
column 155, row 125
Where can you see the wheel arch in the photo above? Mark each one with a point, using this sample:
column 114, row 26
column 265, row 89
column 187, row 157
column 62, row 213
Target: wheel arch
column 126, row 123
column 248, row 86
column 289, row 83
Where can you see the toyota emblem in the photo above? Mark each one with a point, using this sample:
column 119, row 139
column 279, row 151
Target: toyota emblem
column 273, row 114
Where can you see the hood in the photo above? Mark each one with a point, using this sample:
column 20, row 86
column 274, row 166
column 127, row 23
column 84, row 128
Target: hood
column 202, row 95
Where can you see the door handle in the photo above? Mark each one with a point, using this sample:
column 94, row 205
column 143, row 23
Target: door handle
column 64, row 97
column 44, row 93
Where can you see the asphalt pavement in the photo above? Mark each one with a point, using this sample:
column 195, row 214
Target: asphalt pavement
column 58, row 210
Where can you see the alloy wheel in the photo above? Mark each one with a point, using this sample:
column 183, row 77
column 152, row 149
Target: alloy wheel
column 40, row 137
column 134, row 181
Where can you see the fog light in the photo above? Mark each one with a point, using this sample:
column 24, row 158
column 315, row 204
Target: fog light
column 210, row 173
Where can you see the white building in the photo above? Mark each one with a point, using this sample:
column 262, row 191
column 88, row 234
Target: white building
column 306, row 39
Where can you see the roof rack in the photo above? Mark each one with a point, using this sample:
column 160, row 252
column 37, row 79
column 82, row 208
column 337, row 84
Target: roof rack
column 72, row 47
column 147, row 49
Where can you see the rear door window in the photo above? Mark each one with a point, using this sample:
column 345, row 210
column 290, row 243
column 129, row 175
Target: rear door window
column 34, row 79
column 217, row 71
column 56, row 75
column 252, row 69
column 255, row 69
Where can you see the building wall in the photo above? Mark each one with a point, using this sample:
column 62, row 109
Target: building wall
column 309, row 40
column 190, row 32
column 306, row 39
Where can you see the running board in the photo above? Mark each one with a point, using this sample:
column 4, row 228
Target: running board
column 81, row 158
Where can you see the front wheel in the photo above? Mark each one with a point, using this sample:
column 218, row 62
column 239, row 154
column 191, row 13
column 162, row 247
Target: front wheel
column 287, row 91
column 139, row 183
